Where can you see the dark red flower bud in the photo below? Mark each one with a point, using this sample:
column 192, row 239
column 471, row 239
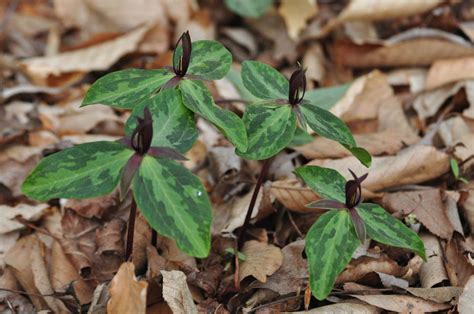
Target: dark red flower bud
column 354, row 190
column 297, row 86
column 143, row 133
column 181, row 64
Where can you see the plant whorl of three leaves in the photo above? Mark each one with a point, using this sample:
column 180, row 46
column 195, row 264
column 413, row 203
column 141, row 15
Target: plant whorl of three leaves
column 170, row 197
column 333, row 238
column 193, row 63
column 271, row 123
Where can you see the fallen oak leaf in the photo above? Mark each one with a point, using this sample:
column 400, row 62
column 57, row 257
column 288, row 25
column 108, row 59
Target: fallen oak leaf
column 127, row 294
column 261, row 260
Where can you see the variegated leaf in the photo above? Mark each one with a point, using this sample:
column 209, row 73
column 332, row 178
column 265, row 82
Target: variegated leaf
column 175, row 204
column 329, row 246
column 263, row 81
column 325, row 124
column 270, row 129
column 383, row 228
column 249, row 8
column 326, row 97
column 125, row 88
column 360, row 153
column 84, row 171
column 173, row 123
column 199, row 100
column 325, row 181
column 209, row 59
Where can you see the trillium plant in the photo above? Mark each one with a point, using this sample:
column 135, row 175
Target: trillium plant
column 334, row 237
column 272, row 120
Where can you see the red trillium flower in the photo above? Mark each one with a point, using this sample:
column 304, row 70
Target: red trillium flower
column 297, row 86
column 353, row 191
column 140, row 141
column 180, row 66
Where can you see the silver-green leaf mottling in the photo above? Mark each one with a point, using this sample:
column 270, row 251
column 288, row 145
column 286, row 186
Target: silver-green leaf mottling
column 263, row 81
column 175, row 204
column 383, row 228
column 84, row 171
column 123, row 89
column 209, row 59
column 329, row 246
column 249, row 8
column 325, row 181
column 173, row 123
column 199, row 100
column 270, row 129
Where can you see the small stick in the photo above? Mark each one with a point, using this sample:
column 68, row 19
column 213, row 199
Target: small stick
column 131, row 229
column 258, row 185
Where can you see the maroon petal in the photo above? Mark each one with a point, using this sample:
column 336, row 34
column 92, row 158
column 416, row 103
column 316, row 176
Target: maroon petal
column 181, row 68
column 166, row 153
column 358, row 225
column 128, row 173
column 297, row 86
column 326, row 204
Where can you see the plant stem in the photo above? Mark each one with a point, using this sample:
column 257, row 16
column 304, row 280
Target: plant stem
column 131, row 229
column 253, row 200
column 154, row 238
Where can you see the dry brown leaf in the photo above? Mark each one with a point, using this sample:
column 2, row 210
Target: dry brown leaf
column 82, row 120
column 438, row 295
column 428, row 207
column 296, row 13
column 457, row 265
column 314, row 62
column 293, row 195
column 371, row 10
column 365, row 265
column 443, row 72
column 47, row 70
column 8, row 223
column 176, row 292
column 293, row 274
column 414, row 165
column 94, row 207
column 402, row 303
column 415, row 48
column 127, row 294
column 466, row 300
column 109, row 237
column 432, row 272
column 261, row 260
column 342, row 308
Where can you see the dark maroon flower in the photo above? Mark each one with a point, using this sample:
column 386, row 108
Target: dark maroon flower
column 354, row 190
column 297, row 86
column 180, row 66
column 143, row 133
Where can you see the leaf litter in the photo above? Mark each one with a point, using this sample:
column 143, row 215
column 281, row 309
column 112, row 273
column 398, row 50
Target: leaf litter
column 412, row 111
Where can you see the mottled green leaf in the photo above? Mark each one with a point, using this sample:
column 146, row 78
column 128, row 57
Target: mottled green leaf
column 209, row 59
column 249, row 8
column 329, row 246
column 301, row 137
column 198, row 99
column 263, row 81
column 383, row 228
column 175, row 204
column 325, row 124
column 269, row 128
column 325, row 181
column 360, row 153
column 125, row 88
column 84, row 171
column 326, row 97
column 236, row 79
column 173, row 123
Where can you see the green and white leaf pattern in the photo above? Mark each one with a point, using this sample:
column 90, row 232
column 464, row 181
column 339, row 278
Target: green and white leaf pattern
column 84, row 171
column 325, row 124
column 199, row 100
column 173, row 123
column 329, row 246
column 383, row 228
column 209, row 59
column 325, row 181
column 270, row 129
column 263, row 81
column 123, row 89
column 175, row 204
column 249, row 8
column 327, row 97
